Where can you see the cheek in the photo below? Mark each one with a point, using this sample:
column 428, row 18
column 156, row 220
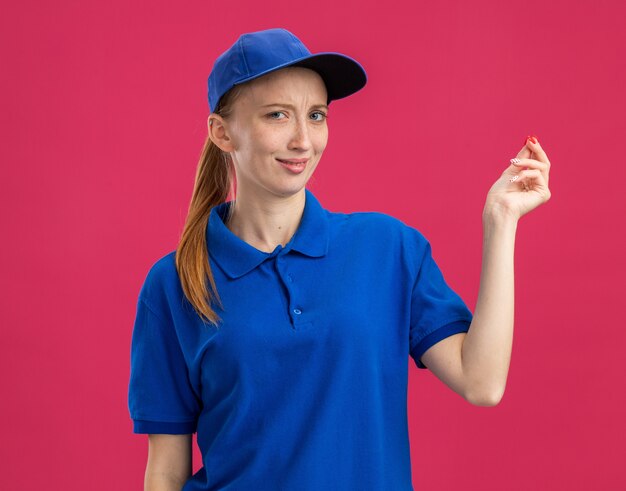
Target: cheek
column 321, row 140
column 265, row 141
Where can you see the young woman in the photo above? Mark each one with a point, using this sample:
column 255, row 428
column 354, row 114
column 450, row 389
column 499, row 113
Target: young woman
column 278, row 330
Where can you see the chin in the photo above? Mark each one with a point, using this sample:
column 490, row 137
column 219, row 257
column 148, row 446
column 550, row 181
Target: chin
column 290, row 190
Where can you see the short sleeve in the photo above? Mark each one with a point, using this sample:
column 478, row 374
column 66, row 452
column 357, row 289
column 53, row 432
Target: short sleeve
column 160, row 396
column 437, row 311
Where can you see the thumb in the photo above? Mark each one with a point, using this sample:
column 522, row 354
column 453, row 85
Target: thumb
column 524, row 153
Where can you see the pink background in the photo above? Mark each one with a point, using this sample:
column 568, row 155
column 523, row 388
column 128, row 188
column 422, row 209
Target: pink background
column 103, row 118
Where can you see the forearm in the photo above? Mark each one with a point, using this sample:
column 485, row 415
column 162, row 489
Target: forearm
column 486, row 350
column 162, row 482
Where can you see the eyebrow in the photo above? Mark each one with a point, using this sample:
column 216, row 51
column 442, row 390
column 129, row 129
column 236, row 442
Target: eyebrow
column 324, row 106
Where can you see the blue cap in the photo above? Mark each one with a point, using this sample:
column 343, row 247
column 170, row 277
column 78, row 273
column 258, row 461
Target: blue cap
column 257, row 53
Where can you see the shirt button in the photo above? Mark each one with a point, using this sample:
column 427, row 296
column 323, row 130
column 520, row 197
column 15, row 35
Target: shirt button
column 290, row 278
column 297, row 311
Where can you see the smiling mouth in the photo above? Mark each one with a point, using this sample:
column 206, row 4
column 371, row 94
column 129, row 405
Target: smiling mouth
column 293, row 167
column 296, row 163
column 293, row 161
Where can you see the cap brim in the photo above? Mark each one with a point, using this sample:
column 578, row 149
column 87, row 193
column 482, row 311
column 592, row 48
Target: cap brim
column 342, row 75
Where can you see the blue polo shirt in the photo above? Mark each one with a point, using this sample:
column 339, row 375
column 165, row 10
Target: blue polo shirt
column 304, row 384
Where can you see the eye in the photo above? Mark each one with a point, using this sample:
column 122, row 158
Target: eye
column 270, row 115
column 321, row 114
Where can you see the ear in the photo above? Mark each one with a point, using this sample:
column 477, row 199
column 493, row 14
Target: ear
column 218, row 132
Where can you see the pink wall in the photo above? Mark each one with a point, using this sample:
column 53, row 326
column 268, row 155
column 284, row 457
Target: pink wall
column 103, row 117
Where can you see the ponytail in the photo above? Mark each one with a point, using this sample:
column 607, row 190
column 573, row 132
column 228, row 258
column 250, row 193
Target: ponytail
column 214, row 179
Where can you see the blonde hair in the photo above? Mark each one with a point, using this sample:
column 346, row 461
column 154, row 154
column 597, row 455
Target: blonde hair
column 214, row 179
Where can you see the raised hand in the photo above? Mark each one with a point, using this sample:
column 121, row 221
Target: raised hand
column 523, row 185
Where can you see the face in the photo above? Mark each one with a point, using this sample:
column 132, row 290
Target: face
column 278, row 117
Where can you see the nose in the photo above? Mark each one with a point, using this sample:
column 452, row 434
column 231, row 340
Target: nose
column 300, row 139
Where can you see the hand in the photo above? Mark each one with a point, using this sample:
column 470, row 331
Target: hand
column 523, row 185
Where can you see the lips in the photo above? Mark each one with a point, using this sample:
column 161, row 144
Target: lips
column 295, row 166
column 293, row 161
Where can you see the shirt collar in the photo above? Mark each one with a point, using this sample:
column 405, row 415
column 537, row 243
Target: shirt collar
column 236, row 257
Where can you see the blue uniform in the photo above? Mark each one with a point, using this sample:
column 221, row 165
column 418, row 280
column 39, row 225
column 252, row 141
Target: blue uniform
column 304, row 384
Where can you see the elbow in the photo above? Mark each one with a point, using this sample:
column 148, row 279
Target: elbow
column 484, row 397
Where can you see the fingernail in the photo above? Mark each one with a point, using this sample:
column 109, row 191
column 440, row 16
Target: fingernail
column 532, row 138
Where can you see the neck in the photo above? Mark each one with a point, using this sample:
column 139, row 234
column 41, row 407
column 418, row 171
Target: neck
column 265, row 222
